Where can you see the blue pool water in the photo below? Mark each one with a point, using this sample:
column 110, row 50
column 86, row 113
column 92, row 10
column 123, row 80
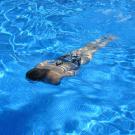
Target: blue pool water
column 100, row 100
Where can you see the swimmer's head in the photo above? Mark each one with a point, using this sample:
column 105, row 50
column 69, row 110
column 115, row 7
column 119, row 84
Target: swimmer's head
column 37, row 74
column 46, row 75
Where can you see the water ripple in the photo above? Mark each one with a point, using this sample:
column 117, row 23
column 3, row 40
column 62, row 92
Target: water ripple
column 99, row 100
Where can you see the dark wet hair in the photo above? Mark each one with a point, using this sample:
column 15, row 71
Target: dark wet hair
column 37, row 74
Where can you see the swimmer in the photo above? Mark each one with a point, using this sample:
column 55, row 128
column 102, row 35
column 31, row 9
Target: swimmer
column 52, row 71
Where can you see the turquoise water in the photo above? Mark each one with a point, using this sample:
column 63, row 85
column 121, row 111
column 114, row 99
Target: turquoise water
column 99, row 100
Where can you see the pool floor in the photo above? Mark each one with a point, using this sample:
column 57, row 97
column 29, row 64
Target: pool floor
column 99, row 100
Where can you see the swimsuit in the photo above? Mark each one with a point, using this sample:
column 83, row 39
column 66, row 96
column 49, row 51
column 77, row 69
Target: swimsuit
column 73, row 62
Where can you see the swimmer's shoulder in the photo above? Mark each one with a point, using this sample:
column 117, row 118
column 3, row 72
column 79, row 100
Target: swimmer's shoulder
column 46, row 63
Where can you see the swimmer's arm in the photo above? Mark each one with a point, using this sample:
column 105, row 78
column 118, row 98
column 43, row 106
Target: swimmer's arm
column 70, row 73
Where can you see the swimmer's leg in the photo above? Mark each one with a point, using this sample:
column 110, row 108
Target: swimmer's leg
column 99, row 43
column 89, row 49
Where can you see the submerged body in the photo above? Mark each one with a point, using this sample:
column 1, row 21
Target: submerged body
column 53, row 71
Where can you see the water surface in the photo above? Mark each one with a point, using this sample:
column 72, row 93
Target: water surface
column 99, row 100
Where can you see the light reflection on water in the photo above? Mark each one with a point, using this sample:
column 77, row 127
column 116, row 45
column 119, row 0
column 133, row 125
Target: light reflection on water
column 97, row 101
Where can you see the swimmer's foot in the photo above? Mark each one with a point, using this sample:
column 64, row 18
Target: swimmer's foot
column 109, row 37
column 105, row 40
